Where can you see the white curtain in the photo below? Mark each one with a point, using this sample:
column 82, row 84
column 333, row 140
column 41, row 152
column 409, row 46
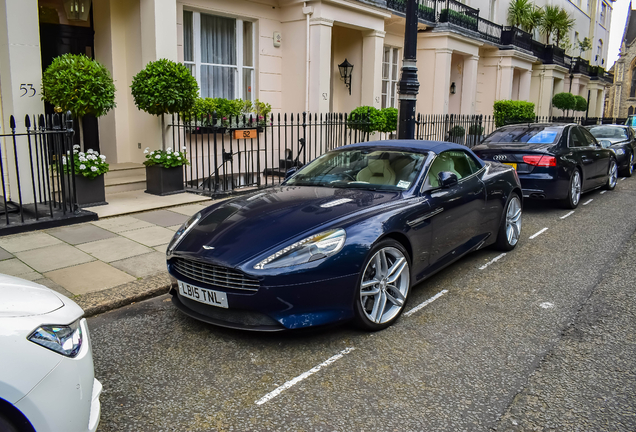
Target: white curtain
column 218, row 46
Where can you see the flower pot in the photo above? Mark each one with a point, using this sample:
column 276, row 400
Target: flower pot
column 164, row 181
column 90, row 192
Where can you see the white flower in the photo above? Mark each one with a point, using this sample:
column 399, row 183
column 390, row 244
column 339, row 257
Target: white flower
column 93, row 168
column 64, row 160
column 158, row 157
column 82, row 167
column 81, row 154
column 90, row 151
column 146, row 151
column 68, row 152
column 179, row 158
column 183, row 148
column 169, row 157
column 169, row 150
column 82, row 159
column 76, row 147
column 102, row 157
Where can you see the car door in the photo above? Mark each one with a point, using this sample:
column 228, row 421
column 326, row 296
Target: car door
column 601, row 157
column 456, row 211
column 584, row 155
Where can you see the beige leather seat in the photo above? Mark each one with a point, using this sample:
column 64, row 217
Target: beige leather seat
column 378, row 171
column 441, row 164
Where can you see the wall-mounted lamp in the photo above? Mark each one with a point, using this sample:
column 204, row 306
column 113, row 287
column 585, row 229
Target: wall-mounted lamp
column 345, row 73
column 77, row 10
column 453, row 88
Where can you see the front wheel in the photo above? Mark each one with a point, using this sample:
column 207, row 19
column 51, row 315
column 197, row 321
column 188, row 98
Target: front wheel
column 383, row 287
column 574, row 192
column 510, row 229
column 629, row 170
column 612, row 176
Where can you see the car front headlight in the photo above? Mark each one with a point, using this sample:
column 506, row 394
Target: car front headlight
column 310, row 249
column 63, row 339
column 620, row 151
column 182, row 232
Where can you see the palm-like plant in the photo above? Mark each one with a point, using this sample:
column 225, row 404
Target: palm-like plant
column 519, row 12
column 550, row 21
column 534, row 19
column 564, row 25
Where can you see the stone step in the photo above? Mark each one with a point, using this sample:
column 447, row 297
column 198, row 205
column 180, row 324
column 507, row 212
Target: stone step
column 126, row 184
column 126, row 169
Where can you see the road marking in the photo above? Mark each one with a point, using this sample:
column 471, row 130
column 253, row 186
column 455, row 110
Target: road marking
column 588, row 201
column 623, row 178
column 302, row 376
column 602, row 192
column 495, row 259
column 421, row 305
column 547, row 305
column 569, row 214
column 537, row 233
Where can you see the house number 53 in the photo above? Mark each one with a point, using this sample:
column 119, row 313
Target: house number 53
column 28, row 89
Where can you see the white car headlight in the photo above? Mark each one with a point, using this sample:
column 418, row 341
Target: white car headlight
column 310, row 249
column 182, row 232
column 63, row 339
column 620, row 151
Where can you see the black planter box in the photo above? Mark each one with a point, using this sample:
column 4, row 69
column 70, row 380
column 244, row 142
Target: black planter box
column 90, row 192
column 164, row 181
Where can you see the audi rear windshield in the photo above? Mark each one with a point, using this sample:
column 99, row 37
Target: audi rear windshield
column 524, row 135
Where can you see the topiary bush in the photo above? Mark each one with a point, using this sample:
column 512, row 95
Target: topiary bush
column 80, row 85
column 564, row 101
column 475, row 129
column 164, row 87
column 511, row 111
column 580, row 104
column 367, row 119
column 456, row 131
column 391, row 118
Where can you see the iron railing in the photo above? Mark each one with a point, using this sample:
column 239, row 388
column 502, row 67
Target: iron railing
column 454, row 12
column 38, row 185
column 489, row 30
column 516, row 37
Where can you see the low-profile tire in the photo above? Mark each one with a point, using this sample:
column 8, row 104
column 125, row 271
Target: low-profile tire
column 574, row 191
column 627, row 172
column 612, row 176
column 6, row 425
column 383, row 286
column 510, row 227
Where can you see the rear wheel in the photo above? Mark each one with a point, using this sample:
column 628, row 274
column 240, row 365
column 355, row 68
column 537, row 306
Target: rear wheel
column 629, row 170
column 384, row 286
column 612, row 176
column 574, row 191
column 510, row 229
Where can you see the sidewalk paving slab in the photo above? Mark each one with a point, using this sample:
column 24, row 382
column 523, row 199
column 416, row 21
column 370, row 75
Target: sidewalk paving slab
column 78, row 234
column 162, row 218
column 23, row 242
column 55, row 287
column 89, row 277
column 151, row 236
column 5, row 255
column 121, row 223
column 114, row 249
column 15, row 267
column 191, row 209
column 142, row 265
column 53, row 257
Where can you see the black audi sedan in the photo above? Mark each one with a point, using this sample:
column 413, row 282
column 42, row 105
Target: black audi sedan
column 620, row 139
column 553, row 161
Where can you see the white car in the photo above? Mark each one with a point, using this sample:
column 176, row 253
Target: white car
column 47, row 381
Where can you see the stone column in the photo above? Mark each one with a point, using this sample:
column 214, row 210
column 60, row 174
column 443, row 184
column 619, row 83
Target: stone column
column 20, row 84
column 158, row 30
column 441, row 89
column 504, row 86
column 320, row 67
column 524, row 85
column 469, row 85
column 372, row 52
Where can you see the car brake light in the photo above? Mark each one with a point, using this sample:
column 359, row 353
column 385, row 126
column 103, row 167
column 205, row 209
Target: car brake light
column 542, row 161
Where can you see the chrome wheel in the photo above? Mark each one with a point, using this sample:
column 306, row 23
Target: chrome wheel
column 576, row 188
column 513, row 221
column 630, row 167
column 613, row 174
column 385, row 285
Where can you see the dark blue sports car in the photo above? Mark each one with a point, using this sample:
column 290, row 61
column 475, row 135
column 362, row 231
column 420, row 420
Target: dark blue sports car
column 345, row 237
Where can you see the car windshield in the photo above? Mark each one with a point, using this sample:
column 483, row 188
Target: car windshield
column 524, row 134
column 609, row 132
column 363, row 169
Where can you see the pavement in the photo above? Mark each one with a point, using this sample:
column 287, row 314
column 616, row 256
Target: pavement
column 101, row 265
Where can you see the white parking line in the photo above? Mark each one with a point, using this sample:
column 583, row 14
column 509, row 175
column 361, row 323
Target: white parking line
column 569, row 214
column 537, row 233
column 623, row 178
column 302, row 376
column 588, row 201
column 421, row 305
column 495, row 259
column 602, row 192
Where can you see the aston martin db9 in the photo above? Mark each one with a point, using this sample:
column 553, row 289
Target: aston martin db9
column 344, row 238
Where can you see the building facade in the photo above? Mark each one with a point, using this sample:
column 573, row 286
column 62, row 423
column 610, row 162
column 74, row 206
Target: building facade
column 286, row 53
column 621, row 98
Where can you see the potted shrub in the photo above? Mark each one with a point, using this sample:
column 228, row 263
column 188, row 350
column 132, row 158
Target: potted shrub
column 475, row 133
column 564, row 101
column 164, row 171
column 89, row 169
column 391, row 118
column 80, row 85
column 367, row 119
column 164, row 87
column 456, row 134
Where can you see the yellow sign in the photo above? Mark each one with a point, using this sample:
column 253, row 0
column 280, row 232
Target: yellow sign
column 245, row 133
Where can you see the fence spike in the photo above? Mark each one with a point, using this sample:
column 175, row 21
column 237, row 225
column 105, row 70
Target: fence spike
column 27, row 121
column 12, row 123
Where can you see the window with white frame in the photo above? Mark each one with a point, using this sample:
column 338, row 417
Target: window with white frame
column 219, row 52
column 599, row 51
column 603, row 13
column 389, row 77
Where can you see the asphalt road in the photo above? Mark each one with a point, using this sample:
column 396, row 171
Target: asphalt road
column 540, row 339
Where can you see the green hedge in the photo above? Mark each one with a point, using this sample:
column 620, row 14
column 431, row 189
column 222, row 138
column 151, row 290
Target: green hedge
column 510, row 111
column 449, row 15
column 226, row 111
column 581, row 103
column 370, row 119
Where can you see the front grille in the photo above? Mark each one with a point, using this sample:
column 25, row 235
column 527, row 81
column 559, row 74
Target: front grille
column 214, row 275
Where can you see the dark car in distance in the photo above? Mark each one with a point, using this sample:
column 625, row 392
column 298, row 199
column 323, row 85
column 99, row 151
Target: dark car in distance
column 553, row 161
column 345, row 237
column 620, row 139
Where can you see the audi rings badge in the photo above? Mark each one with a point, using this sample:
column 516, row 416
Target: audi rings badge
column 500, row 157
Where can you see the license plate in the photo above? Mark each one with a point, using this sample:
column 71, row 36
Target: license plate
column 203, row 295
column 514, row 165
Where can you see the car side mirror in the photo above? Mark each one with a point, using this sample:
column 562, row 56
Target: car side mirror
column 447, row 179
column 290, row 172
column 605, row 143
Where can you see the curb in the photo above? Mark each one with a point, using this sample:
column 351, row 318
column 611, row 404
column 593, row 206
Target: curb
column 123, row 295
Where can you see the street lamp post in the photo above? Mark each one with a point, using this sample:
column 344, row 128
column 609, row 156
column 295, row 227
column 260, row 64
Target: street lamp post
column 408, row 85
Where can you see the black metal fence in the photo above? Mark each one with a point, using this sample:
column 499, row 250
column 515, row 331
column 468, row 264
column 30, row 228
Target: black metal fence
column 38, row 185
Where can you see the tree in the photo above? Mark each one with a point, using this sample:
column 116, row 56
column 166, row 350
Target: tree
column 580, row 104
column 549, row 21
column 584, row 45
column 519, row 12
column 164, row 87
column 534, row 19
column 564, row 101
column 80, row 85
column 564, row 25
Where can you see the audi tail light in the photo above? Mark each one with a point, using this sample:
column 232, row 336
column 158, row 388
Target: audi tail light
column 539, row 160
